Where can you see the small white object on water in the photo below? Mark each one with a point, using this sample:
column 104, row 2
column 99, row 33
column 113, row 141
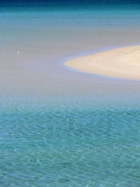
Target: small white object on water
column 17, row 52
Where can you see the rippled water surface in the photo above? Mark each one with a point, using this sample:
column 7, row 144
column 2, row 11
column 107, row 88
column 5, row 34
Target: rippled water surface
column 63, row 145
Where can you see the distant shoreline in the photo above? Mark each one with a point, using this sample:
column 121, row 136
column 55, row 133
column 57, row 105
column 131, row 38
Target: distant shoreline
column 121, row 62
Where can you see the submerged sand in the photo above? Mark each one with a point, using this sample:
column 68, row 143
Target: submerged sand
column 118, row 63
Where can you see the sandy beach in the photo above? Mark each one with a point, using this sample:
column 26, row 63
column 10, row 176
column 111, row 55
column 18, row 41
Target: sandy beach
column 118, row 63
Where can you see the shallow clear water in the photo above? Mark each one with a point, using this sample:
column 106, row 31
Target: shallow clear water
column 60, row 144
column 86, row 132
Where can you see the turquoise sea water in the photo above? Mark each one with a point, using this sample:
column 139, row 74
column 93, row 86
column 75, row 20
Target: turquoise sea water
column 68, row 144
column 81, row 135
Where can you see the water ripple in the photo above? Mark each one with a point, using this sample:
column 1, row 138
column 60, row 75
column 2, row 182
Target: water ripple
column 70, row 148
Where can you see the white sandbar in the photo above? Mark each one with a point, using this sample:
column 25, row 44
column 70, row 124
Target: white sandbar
column 118, row 63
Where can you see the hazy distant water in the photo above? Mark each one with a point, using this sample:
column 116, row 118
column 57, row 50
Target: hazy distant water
column 82, row 130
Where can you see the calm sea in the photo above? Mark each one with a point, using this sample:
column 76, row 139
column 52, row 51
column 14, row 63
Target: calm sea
column 74, row 129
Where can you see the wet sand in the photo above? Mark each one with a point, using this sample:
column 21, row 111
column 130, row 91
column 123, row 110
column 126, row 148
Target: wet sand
column 119, row 63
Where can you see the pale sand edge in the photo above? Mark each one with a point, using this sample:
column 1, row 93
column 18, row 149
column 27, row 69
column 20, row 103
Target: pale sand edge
column 116, row 63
